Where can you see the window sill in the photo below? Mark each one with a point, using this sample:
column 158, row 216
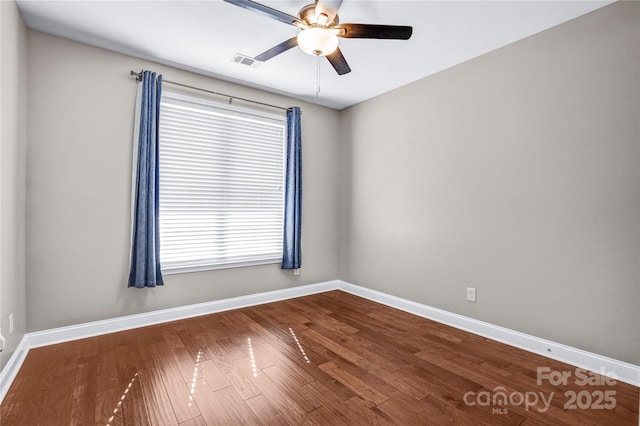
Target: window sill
column 202, row 268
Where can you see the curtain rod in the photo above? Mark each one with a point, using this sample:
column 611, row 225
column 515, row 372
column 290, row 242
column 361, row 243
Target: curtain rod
column 231, row 98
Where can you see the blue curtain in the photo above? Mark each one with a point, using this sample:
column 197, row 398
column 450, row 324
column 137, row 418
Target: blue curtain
column 292, row 256
column 145, row 241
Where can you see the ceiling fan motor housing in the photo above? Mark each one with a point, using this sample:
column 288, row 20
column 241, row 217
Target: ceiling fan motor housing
column 308, row 15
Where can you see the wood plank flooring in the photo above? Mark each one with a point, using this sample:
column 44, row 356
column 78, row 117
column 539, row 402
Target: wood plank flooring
column 325, row 359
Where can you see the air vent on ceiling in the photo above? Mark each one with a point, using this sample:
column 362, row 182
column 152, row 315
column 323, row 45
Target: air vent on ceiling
column 245, row 60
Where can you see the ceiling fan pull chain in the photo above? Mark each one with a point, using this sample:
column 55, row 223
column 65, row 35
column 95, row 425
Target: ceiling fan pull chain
column 317, row 76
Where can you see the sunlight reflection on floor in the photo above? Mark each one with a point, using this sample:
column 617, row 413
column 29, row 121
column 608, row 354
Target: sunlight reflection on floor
column 122, row 397
column 193, row 379
column 299, row 345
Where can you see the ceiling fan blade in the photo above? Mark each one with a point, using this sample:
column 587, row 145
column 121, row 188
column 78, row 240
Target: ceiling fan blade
column 276, row 50
column 338, row 62
column 268, row 12
column 394, row 32
column 328, row 7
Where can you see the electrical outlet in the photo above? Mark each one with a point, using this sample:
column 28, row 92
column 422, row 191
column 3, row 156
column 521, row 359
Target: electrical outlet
column 296, row 271
column 10, row 324
column 471, row 294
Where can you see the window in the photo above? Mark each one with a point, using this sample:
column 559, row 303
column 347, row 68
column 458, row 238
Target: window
column 221, row 185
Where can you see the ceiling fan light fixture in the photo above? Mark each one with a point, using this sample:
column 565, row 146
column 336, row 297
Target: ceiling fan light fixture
column 317, row 41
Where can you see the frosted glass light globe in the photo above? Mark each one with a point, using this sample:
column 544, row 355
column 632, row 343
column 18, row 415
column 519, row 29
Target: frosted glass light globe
column 317, row 41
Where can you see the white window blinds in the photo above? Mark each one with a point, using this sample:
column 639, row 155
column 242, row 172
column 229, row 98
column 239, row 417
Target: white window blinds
column 221, row 185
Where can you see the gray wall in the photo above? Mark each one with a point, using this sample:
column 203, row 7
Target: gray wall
column 516, row 173
column 81, row 107
column 13, row 134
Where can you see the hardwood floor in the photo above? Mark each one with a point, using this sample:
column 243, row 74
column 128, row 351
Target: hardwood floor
column 326, row 359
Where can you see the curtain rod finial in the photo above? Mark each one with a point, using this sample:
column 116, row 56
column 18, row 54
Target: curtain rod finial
column 137, row 74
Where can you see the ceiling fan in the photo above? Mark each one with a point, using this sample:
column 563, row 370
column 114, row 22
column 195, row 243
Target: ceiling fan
column 320, row 30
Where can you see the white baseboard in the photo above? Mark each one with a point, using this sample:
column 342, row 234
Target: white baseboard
column 12, row 367
column 625, row 372
column 96, row 328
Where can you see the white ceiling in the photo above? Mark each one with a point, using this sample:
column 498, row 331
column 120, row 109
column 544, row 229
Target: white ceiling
column 202, row 36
